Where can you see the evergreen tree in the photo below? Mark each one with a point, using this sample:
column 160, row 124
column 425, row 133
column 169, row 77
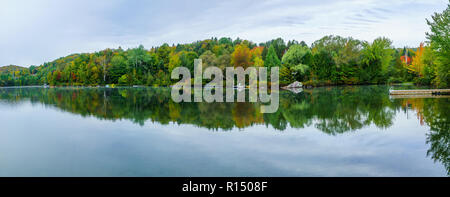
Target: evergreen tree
column 271, row 59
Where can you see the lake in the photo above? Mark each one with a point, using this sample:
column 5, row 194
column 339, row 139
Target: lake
column 328, row 131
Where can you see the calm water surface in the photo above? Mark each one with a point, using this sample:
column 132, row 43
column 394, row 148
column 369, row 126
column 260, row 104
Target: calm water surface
column 339, row 131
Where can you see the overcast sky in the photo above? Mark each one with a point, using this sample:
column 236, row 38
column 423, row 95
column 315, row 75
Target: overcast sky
column 36, row 31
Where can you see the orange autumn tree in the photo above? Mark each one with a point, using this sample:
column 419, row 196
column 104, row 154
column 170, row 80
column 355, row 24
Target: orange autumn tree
column 417, row 65
column 241, row 56
column 256, row 52
column 417, row 104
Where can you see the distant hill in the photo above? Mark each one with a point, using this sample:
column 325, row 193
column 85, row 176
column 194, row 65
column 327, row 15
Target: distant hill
column 10, row 68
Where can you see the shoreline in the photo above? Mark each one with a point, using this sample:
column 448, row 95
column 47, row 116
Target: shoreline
column 281, row 87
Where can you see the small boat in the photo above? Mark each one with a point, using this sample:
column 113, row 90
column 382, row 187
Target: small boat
column 240, row 87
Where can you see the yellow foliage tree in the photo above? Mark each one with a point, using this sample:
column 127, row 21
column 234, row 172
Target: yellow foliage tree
column 241, row 56
column 174, row 61
column 417, row 65
column 256, row 56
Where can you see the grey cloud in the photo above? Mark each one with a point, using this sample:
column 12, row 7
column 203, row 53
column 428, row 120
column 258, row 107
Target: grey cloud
column 33, row 32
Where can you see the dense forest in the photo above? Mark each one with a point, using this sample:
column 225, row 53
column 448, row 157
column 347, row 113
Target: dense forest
column 331, row 60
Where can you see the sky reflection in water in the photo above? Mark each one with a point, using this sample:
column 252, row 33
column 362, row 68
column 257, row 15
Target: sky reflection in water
column 339, row 131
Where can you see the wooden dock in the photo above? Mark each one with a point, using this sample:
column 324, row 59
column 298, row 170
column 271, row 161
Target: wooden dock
column 417, row 96
column 420, row 92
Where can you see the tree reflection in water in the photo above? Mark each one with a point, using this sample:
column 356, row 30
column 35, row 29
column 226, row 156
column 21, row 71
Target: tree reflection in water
column 333, row 110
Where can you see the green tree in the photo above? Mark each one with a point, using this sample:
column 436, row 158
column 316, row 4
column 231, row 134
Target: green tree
column 296, row 61
column 187, row 59
column 271, row 59
column 429, row 71
column 208, row 59
column 174, row 61
column 163, row 53
column 124, row 80
column 376, row 57
column 137, row 58
column 118, row 67
column 223, row 61
column 439, row 37
column 345, row 53
column 279, row 46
